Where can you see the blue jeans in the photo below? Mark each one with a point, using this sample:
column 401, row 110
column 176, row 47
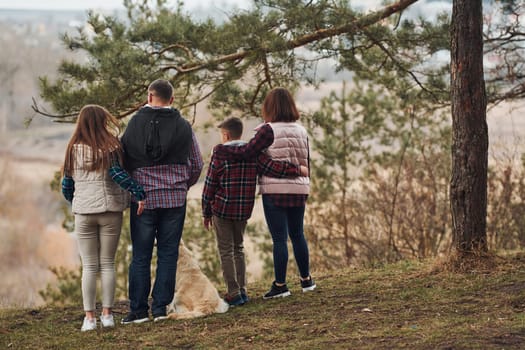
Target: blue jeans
column 165, row 226
column 283, row 222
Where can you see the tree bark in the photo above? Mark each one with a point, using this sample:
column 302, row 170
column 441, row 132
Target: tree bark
column 468, row 186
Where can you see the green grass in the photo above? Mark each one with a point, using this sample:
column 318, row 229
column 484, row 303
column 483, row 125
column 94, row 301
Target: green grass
column 399, row 306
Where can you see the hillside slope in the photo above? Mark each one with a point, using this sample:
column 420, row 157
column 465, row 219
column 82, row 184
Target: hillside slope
column 400, row 306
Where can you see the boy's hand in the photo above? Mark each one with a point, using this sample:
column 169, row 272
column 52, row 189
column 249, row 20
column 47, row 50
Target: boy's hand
column 207, row 223
column 304, row 171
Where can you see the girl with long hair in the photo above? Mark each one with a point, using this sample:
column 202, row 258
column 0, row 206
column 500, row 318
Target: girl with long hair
column 97, row 186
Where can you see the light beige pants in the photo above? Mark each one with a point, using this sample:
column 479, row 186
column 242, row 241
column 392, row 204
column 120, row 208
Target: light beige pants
column 97, row 237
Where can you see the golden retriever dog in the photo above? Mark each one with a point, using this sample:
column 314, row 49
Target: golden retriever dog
column 195, row 295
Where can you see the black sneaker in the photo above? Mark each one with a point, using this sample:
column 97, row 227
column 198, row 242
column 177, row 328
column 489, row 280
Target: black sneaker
column 308, row 284
column 236, row 300
column 160, row 317
column 277, row 292
column 135, row 317
column 159, row 314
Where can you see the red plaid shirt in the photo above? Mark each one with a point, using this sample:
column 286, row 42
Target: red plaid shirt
column 262, row 140
column 288, row 199
column 166, row 186
column 229, row 189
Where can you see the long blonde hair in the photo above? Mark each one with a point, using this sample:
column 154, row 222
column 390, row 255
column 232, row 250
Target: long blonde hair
column 99, row 130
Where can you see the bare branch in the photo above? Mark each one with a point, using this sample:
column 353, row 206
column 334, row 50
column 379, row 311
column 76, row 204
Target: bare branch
column 398, row 64
column 254, row 97
column 131, row 111
column 43, row 112
column 176, row 46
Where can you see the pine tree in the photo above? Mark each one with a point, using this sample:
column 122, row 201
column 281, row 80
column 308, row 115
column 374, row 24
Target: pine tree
column 231, row 66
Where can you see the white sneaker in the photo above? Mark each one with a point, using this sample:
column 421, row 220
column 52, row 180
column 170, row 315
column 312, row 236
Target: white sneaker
column 107, row 320
column 89, row 324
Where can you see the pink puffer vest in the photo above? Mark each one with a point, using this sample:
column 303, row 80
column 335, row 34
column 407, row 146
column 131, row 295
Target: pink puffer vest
column 290, row 143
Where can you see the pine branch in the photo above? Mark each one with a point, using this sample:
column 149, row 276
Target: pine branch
column 318, row 35
column 354, row 25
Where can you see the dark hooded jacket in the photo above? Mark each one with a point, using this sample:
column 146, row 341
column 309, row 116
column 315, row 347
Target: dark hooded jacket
column 156, row 136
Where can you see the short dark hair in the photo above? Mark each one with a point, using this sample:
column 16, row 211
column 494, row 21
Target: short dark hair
column 279, row 106
column 233, row 125
column 162, row 89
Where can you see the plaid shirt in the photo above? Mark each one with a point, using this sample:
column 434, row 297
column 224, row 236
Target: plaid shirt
column 119, row 175
column 262, row 140
column 288, row 200
column 229, row 189
column 166, row 186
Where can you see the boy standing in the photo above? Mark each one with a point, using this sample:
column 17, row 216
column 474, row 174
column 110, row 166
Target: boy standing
column 227, row 203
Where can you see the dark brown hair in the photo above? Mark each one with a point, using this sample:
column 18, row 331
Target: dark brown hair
column 279, row 106
column 233, row 125
column 162, row 89
column 98, row 129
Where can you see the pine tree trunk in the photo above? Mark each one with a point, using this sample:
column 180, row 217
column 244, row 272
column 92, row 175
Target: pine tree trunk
column 468, row 187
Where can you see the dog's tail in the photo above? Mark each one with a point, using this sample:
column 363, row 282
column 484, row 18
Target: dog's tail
column 222, row 307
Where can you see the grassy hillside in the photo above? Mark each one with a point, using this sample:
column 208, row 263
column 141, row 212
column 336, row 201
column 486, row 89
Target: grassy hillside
column 400, row 306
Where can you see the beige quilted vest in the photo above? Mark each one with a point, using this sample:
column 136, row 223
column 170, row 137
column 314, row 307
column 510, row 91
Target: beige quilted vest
column 95, row 191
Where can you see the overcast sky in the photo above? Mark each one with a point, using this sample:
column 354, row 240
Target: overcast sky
column 100, row 4
column 424, row 8
column 113, row 4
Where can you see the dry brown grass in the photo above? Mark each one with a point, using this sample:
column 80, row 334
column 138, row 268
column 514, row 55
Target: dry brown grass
column 468, row 262
column 398, row 306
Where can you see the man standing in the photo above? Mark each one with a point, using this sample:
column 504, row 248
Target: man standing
column 162, row 154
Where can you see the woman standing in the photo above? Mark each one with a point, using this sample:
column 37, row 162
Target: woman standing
column 284, row 200
column 92, row 175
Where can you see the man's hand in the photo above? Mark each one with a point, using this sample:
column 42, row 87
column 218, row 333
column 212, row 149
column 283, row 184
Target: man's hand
column 207, row 223
column 140, row 208
column 304, row 171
